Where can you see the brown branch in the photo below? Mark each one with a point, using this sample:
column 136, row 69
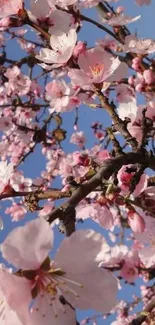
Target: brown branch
column 23, row 15
column 116, row 145
column 145, row 313
column 109, row 167
column 119, row 124
column 54, row 194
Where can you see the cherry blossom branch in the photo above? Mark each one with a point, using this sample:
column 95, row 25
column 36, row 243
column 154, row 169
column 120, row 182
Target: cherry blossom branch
column 40, row 195
column 109, row 167
column 118, row 123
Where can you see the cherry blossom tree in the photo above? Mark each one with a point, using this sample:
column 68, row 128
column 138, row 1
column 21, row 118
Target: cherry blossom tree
column 77, row 148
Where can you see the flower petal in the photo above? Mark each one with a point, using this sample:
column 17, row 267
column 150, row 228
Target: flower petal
column 16, row 291
column 80, row 250
column 27, row 247
column 7, row 316
column 46, row 312
column 99, row 289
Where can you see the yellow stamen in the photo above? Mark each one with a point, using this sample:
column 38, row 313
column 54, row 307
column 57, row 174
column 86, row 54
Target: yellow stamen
column 96, row 69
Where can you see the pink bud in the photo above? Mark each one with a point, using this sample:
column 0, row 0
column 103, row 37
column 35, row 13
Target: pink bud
column 136, row 222
column 139, row 87
column 136, row 64
column 79, row 49
column 99, row 134
column 149, row 76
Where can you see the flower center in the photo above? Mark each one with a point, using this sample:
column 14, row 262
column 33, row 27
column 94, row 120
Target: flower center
column 96, row 69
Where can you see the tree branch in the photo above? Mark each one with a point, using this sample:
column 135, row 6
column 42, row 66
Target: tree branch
column 109, row 167
column 145, row 313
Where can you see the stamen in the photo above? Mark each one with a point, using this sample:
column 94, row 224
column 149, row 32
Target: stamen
column 96, row 69
column 71, row 290
column 64, row 280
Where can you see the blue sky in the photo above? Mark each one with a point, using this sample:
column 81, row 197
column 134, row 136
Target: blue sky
column 144, row 28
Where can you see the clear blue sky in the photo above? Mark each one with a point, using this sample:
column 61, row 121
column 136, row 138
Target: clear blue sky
column 145, row 27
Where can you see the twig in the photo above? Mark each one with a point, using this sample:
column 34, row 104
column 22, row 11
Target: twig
column 106, row 30
column 119, row 124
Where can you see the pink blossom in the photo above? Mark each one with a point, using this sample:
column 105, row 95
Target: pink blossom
column 6, row 172
column 99, row 213
column 54, row 20
column 79, row 49
column 62, row 48
column 129, row 272
column 149, row 76
column 136, row 221
column 96, row 65
column 18, row 83
column 10, row 7
column 19, row 183
column 140, row 46
column 78, row 280
column 128, row 261
column 17, row 211
column 5, row 123
column 125, row 176
column 107, row 42
column 68, row 166
column 143, row 2
column 78, row 138
column 39, row 10
column 60, row 94
column 102, row 155
column 121, row 20
column 125, row 94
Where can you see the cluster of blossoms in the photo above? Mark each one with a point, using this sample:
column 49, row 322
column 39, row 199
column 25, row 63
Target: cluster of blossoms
column 46, row 86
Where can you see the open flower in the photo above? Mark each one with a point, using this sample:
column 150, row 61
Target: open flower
column 52, row 288
column 62, row 48
column 96, row 65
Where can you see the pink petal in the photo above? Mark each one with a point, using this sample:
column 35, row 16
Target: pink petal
column 27, row 247
column 103, row 216
column 16, row 291
column 98, row 291
column 147, row 256
column 79, row 77
column 7, row 316
column 43, row 313
column 142, row 185
column 136, row 222
column 83, row 248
